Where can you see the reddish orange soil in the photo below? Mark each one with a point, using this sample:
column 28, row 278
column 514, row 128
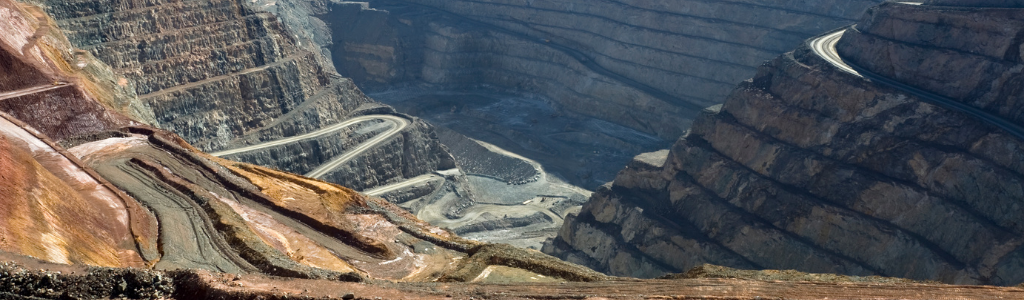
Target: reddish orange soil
column 253, row 285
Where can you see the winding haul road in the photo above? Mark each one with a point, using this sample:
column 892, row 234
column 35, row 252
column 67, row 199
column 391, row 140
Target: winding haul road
column 32, row 90
column 825, row 47
column 377, row 191
column 398, row 124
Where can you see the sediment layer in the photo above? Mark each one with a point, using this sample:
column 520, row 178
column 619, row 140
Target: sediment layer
column 647, row 65
column 222, row 76
column 885, row 183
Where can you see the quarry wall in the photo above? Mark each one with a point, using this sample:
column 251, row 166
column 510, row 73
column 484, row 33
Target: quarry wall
column 885, row 184
column 649, row 65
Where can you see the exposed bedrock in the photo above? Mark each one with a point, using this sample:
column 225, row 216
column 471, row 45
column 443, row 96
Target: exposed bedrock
column 39, row 86
column 224, row 76
column 646, row 65
column 884, row 184
column 144, row 197
column 971, row 55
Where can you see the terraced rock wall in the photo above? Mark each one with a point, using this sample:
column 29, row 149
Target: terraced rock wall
column 977, row 60
column 883, row 183
column 223, row 76
column 211, row 70
column 39, row 86
column 649, row 65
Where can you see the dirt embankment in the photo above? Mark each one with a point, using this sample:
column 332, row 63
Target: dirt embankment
column 25, row 278
column 245, row 218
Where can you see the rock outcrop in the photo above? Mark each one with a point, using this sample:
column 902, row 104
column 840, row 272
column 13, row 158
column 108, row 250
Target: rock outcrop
column 649, row 65
column 223, row 76
column 811, row 168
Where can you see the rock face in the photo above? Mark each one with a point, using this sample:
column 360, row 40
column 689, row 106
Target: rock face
column 229, row 74
column 901, row 42
column 224, row 76
column 649, row 65
column 53, row 206
column 810, row 168
column 37, row 75
column 142, row 197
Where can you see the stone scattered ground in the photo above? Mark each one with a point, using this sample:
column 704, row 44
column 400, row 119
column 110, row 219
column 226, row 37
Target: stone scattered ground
column 38, row 280
column 491, row 208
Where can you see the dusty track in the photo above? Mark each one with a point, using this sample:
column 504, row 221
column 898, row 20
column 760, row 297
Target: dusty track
column 391, row 187
column 398, row 124
column 252, row 285
column 32, row 90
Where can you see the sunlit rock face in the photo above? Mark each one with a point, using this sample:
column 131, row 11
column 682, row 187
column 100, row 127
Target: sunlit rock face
column 55, row 210
column 223, row 75
column 811, row 168
column 648, row 65
column 53, row 206
column 82, row 183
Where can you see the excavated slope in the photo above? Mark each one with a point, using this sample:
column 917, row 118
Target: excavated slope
column 811, row 168
column 142, row 197
column 649, row 65
column 224, row 76
column 53, row 206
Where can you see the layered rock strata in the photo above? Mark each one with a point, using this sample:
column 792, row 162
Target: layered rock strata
column 54, row 206
column 900, row 42
column 883, row 183
column 225, row 76
column 40, row 73
column 646, row 65
column 142, row 197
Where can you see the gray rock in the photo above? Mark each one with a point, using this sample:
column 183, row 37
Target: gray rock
column 805, row 167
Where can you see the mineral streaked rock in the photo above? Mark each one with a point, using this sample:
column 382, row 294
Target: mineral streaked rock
column 232, row 217
column 692, row 50
column 54, row 210
column 808, row 168
column 54, row 206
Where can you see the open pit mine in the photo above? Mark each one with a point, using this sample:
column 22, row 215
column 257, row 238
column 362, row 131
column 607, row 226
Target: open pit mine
column 509, row 149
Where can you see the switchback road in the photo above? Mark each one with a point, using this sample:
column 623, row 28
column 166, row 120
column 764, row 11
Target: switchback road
column 399, row 123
